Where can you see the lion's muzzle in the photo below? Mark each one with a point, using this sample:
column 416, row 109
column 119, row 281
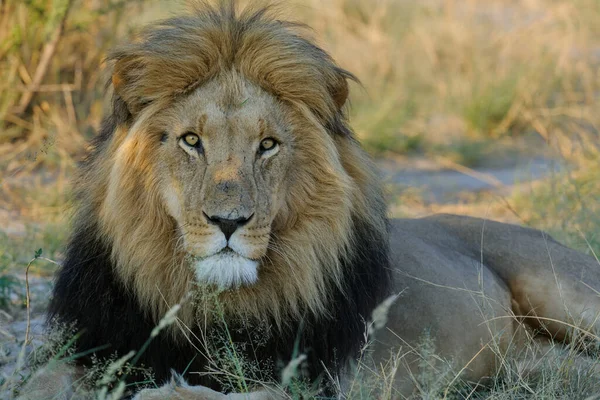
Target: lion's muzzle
column 226, row 225
column 226, row 270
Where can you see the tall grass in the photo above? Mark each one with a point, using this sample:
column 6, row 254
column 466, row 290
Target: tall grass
column 433, row 71
column 488, row 68
column 538, row 370
column 567, row 206
column 51, row 58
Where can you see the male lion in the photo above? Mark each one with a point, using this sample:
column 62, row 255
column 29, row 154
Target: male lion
column 227, row 180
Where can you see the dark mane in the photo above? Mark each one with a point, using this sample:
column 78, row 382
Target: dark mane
column 108, row 315
column 88, row 295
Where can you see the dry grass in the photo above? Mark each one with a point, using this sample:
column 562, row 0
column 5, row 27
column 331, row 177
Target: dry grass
column 450, row 70
column 434, row 72
column 52, row 84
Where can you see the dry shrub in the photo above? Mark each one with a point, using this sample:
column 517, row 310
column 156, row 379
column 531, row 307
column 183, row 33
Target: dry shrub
column 52, row 89
column 448, row 69
column 51, row 76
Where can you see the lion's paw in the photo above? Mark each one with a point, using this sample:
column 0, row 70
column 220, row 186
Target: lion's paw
column 169, row 392
column 178, row 389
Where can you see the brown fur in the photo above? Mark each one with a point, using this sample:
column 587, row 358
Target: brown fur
column 312, row 229
column 194, row 49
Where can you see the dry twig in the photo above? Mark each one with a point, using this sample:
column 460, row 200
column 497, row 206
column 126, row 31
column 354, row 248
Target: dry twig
column 42, row 67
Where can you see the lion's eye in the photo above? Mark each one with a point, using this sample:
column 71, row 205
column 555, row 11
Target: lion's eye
column 267, row 145
column 191, row 139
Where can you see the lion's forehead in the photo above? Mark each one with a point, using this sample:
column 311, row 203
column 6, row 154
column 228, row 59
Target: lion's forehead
column 214, row 112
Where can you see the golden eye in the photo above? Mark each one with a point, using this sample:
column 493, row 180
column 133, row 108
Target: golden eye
column 191, row 139
column 267, row 144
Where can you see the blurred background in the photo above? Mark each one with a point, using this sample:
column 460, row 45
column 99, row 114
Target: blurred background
column 481, row 107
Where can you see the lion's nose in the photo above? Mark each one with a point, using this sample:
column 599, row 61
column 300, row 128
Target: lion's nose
column 227, row 226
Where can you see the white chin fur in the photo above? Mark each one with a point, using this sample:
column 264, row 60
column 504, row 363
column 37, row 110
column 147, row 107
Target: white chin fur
column 226, row 270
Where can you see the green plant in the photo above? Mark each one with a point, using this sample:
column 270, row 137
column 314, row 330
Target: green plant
column 10, row 287
column 488, row 106
column 567, row 206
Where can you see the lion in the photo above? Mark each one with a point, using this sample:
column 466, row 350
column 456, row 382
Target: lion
column 226, row 185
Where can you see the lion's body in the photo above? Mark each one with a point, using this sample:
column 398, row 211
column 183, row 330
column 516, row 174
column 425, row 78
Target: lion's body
column 227, row 180
column 463, row 280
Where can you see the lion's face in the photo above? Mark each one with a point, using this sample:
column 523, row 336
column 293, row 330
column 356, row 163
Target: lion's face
column 228, row 163
column 230, row 187
column 223, row 159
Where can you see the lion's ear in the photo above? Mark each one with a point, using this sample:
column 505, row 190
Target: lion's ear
column 123, row 81
column 117, row 82
column 340, row 91
column 339, row 86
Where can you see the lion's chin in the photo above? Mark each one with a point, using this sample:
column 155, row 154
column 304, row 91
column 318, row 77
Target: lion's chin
column 226, row 270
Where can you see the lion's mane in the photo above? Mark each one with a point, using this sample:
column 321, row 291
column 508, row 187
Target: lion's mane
column 122, row 270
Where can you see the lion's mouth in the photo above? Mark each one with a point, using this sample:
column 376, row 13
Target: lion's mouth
column 226, row 269
column 227, row 251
